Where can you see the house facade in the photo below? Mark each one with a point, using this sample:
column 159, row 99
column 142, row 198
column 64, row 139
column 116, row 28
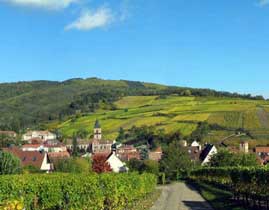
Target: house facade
column 43, row 135
column 156, row 155
column 127, row 152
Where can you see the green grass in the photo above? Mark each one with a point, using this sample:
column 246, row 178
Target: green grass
column 219, row 199
column 175, row 113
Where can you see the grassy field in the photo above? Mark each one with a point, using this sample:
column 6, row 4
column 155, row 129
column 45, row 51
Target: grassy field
column 175, row 113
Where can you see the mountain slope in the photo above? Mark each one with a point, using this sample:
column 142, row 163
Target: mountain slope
column 27, row 104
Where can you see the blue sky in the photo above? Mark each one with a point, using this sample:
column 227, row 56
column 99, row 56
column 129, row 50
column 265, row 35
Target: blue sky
column 221, row 44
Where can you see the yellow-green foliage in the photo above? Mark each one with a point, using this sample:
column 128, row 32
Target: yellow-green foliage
column 173, row 113
column 251, row 120
column 12, row 205
column 135, row 101
column 198, row 117
column 227, row 119
column 79, row 191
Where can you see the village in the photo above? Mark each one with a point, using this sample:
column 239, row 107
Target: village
column 42, row 149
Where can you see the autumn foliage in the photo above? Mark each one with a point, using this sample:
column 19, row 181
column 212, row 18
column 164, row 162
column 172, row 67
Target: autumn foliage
column 99, row 164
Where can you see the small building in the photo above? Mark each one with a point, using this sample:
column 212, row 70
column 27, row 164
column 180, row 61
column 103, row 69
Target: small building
column 37, row 159
column 207, row 153
column 116, row 164
column 243, row 147
column 43, row 135
column 196, row 144
column 32, row 147
column 47, row 146
column 127, row 152
column 262, row 150
column 82, row 144
column 54, row 146
column 156, row 154
column 101, row 146
column 194, row 153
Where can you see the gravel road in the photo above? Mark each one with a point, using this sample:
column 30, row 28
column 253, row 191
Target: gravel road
column 179, row 196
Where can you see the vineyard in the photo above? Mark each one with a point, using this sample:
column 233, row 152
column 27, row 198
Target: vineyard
column 177, row 113
column 249, row 185
column 76, row 191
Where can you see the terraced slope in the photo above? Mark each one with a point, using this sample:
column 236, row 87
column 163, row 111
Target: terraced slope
column 175, row 113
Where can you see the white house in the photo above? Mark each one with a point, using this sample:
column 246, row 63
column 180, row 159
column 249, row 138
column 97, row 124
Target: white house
column 46, row 146
column 207, row 154
column 43, row 135
column 116, row 164
column 32, row 147
column 196, row 144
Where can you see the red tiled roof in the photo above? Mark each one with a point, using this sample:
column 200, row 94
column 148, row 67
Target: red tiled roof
column 262, row 149
column 27, row 158
column 31, row 145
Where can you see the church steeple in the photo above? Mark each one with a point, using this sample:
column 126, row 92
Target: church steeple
column 97, row 130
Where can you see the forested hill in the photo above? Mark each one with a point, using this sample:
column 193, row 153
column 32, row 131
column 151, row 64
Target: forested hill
column 27, row 104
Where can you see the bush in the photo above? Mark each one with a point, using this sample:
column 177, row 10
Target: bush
column 31, row 170
column 9, row 164
column 76, row 191
column 73, row 165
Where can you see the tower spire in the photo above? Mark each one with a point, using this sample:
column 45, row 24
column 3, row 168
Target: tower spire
column 97, row 130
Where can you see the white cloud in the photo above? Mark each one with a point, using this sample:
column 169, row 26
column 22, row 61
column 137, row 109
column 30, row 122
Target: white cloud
column 90, row 20
column 263, row 3
column 45, row 4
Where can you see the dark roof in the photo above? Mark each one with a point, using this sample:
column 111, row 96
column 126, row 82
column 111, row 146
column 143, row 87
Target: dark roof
column 97, row 124
column 205, row 151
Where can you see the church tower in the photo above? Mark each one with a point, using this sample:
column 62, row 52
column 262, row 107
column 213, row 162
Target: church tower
column 97, row 130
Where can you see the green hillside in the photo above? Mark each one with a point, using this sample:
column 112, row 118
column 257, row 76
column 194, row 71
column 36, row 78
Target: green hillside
column 177, row 113
column 28, row 104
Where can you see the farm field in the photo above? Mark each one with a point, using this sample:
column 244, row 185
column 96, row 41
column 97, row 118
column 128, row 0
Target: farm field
column 175, row 113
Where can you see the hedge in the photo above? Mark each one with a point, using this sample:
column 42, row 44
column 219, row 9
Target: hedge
column 76, row 191
column 251, row 185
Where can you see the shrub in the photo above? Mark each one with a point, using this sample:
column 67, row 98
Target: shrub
column 72, row 165
column 9, row 164
column 76, row 191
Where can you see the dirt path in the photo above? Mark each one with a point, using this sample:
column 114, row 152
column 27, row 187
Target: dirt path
column 179, row 196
